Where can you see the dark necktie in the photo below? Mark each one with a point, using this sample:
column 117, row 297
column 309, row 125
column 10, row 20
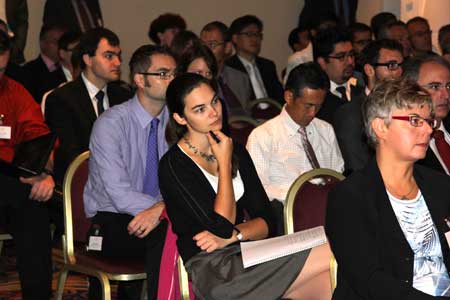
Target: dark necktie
column 150, row 186
column 308, row 148
column 443, row 147
column 341, row 90
column 99, row 96
column 228, row 95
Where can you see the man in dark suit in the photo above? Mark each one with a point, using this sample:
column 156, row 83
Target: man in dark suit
column 45, row 70
column 16, row 12
column 433, row 74
column 72, row 109
column 78, row 15
column 233, row 84
column 333, row 51
column 381, row 60
column 246, row 34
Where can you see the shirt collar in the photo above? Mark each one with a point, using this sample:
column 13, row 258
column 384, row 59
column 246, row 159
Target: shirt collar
column 246, row 61
column 143, row 117
column 292, row 127
column 91, row 88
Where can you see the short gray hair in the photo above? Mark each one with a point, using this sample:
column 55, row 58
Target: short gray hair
column 390, row 95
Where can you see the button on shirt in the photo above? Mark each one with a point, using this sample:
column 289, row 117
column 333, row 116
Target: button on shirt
column 279, row 157
column 118, row 156
column 93, row 90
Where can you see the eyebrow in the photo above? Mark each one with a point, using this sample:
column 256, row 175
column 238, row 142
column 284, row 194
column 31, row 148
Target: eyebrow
column 112, row 52
column 202, row 105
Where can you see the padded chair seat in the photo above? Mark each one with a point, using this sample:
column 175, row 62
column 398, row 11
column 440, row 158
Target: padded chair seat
column 108, row 265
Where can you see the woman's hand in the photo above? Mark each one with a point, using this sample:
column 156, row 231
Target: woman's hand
column 209, row 242
column 223, row 150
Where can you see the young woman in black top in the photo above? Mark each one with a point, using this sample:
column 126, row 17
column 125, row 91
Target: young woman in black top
column 207, row 182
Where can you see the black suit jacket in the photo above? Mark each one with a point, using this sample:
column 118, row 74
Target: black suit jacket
column 70, row 114
column 17, row 16
column 42, row 79
column 430, row 160
column 374, row 258
column 268, row 72
column 349, row 128
column 61, row 12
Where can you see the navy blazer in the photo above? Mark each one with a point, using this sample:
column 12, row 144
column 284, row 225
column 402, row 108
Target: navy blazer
column 374, row 258
column 70, row 114
column 268, row 73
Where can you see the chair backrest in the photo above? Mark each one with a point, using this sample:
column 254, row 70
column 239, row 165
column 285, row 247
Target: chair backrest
column 306, row 202
column 75, row 221
column 273, row 109
column 241, row 127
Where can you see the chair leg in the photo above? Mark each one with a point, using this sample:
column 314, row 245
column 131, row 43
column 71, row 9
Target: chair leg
column 1, row 246
column 61, row 282
column 106, row 287
column 144, row 295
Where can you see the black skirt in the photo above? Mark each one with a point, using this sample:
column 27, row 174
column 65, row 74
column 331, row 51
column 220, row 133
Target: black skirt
column 221, row 275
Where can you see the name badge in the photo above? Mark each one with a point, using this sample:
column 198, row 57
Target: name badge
column 5, row 132
column 95, row 243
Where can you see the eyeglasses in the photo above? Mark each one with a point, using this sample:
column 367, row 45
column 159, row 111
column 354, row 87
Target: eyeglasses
column 258, row 35
column 213, row 44
column 164, row 75
column 343, row 56
column 437, row 86
column 417, row 121
column 391, row 65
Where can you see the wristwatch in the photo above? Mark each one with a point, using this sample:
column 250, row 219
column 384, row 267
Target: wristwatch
column 239, row 235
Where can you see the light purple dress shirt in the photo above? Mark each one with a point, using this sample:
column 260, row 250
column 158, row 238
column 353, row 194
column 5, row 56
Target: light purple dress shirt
column 118, row 148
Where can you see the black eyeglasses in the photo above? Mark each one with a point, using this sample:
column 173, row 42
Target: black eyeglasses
column 417, row 121
column 258, row 35
column 343, row 56
column 213, row 44
column 391, row 65
column 164, row 75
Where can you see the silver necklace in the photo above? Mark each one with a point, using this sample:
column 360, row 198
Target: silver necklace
column 210, row 158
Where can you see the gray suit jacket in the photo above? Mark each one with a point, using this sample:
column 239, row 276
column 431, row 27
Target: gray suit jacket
column 239, row 83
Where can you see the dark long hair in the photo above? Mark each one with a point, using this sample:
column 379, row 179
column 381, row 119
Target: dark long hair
column 177, row 91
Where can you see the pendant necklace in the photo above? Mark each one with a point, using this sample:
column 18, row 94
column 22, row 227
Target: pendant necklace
column 210, row 158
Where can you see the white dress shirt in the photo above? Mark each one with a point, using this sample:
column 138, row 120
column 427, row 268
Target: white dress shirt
column 434, row 148
column 279, row 157
column 93, row 90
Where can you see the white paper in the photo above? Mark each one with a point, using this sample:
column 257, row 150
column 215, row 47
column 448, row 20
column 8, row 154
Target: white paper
column 95, row 243
column 5, row 132
column 257, row 252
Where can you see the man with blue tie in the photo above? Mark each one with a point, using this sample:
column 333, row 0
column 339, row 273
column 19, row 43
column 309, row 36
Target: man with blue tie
column 122, row 195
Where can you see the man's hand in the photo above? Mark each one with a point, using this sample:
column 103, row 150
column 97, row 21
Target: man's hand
column 209, row 242
column 41, row 186
column 146, row 220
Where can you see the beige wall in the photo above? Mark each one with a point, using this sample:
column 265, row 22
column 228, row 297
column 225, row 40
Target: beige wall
column 130, row 20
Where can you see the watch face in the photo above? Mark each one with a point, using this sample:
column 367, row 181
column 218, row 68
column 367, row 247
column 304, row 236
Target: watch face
column 240, row 237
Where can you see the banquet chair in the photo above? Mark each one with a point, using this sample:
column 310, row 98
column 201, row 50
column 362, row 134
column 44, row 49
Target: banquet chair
column 76, row 257
column 273, row 109
column 241, row 127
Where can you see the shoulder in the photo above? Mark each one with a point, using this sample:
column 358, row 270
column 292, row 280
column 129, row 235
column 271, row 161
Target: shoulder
column 119, row 89
column 68, row 90
column 322, row 126
column 17, row 91
column 432, row 177
column 114, row 118
column 231, row 72
column 265, row 61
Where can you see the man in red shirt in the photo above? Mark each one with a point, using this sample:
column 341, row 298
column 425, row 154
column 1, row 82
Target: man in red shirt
column 24, row 199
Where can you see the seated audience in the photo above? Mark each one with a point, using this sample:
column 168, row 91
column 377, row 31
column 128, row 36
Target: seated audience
column 122, row 195
column 295, row 141
column 432, row 73
column 163, row 29
column 397, row 31
column 46, row 70
column 247, row 34
column 361, row 37
column 206, row 186
column 25, row 199
column 382, row 60
column 72, row 109
column 232, row 84
column 386, row 223
column 420, row 36
column 333, row 51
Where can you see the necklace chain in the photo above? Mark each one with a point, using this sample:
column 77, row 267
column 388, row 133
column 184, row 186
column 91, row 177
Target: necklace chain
column 210, row 158
column 405, row 196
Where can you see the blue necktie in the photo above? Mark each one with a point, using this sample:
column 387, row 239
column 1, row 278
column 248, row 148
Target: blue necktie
column 151, row 186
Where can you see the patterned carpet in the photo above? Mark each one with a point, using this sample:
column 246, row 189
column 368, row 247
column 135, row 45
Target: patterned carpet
column 75, row 288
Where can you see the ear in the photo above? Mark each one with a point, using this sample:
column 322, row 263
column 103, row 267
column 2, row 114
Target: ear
column 234, row 38
column 180, row 120
column 289, row 97
column 139, row 80
column 369, row 70
column 380, row 128
column 228, row 49
column 87, row 59
column 322, row 63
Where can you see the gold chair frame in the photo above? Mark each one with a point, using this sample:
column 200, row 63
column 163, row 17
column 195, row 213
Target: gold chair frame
column 70, row 263
column 289, row 209
column 183, row 278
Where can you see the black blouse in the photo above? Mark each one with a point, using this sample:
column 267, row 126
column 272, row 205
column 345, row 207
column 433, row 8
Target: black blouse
column 189, row 199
